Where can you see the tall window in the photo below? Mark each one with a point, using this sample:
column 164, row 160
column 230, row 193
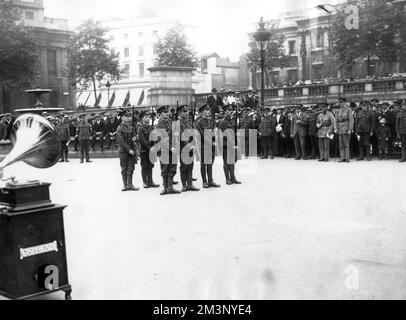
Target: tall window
column 51, row 62
column 140, row 51
column 141, row 70
column 126, row 71
column 292, row 44
column 126, row 52
column 320, row 39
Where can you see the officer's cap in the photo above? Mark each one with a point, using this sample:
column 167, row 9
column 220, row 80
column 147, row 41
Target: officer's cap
column 214, row 90
column 144, row 114
column 204, row 107
column 181, row 108
column 82, row 116
column 341, row 99
column 375, row 100
column 162, row 109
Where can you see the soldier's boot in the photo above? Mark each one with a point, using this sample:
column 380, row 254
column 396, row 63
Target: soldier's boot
column 361, row 154
column 232, row 173
column 368, row 154
column 145, row 179
column 227, row 174
column 66, row 155
column 212, row 184
column 171, row 190
column 151, row 182
column 190, row 186
column 165, row 184
column 183, row 178
column 386, row 156
column 204, row 177
column 62, row 159
column 130, row 185
column 124, row 177
column 403, row 155
column 380, row 157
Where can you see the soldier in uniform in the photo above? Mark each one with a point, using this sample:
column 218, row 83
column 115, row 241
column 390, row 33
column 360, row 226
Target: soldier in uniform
column 344, row 127
column 62, row 129
column 84, row 130
column 250, row 100
column 267, row 130
column 208, row 143
column 215, row 102
column 401, row 129
column 325, row 124
column 228, row 127
column 364, row 128
column 168, row 160
column 186, row 168
column 144, row 133
column 312, row 132
column 246, row 125
column 127, row 151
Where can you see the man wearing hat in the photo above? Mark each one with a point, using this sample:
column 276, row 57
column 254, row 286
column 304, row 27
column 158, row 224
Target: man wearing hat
column 205, row 126
column 186, row 152
column 83, row 131
column 344, row 127
column 250, row 101
column 168, row 160
column 63, row 131
column 383, row 135
column 127, row 151
column 364, row 128
column 267, row 130
column 227, row 126
column 215, row 102
column 300, row 124
column 246, row 125
column 144, row 134
column 401, row 129
column 325, row 124
column 99, row 131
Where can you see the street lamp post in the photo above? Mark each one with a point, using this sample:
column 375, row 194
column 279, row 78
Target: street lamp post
column 108, row 85
column 262, row 37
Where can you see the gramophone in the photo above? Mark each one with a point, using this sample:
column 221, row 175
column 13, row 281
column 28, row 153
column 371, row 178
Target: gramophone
column 32, row 239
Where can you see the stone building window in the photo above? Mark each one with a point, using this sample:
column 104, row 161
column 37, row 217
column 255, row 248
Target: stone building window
column 126, row 52
column 292, row 45
column 140, row 51
column 126, row 71
column 51, row 62
column 320, row 39
column 141, row 70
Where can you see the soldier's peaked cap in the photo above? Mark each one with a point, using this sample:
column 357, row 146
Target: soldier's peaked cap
column 162, row 109
column 227, row 107
column 144, row 113
column 203, row 107
column 341, row 99
column 180, row 108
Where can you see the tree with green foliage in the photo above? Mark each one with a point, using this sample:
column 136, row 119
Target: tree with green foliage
column 174, row 50
column 381, row 33
column 90, row 58
column 18, row 52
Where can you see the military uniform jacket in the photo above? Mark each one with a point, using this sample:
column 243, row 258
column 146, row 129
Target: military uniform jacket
column 383, row 132
column 326, row 123
column 401, row 122
column 166, row 125
column 344, row 120
column 215, row 103
column 62, row 129
column 227, row 124
column 125, row 138
column 267, row 127
column 246, row 123
column 184, row 124
column 202, row 125
column 365, row 122
column 144, row 132
column 84, row 130
column 312, row 131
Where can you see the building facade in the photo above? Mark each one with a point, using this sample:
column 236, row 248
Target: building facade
column 53, row 38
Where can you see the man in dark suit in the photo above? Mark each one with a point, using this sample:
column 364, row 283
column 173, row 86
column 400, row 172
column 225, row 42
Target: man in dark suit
column 286, row 134
column 99, row 131
column 280, row 119
column 215, row 102
column 300, row 123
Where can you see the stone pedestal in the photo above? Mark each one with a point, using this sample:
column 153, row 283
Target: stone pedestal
column 170, row 85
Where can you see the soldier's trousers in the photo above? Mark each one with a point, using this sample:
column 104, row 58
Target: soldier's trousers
column 266, row 145
column 300, row 145
column 64, row 150
column 84, row 149
column 206, row 170
column 186, row 173
column 344, row 145
column 324, row 147
column 313, row 145
column 127, row 164
column 168, row 170
column 229, row 168
column 146, row 168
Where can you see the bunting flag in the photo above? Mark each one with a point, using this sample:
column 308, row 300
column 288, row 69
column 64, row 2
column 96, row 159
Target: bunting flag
column 141, row 99
column 113, row 97
column 96, row 104
column 127, row 99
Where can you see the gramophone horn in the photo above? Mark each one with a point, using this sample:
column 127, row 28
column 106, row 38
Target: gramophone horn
column 34, row 141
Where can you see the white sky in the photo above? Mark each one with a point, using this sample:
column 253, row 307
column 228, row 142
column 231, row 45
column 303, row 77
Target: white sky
column 222, row 25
